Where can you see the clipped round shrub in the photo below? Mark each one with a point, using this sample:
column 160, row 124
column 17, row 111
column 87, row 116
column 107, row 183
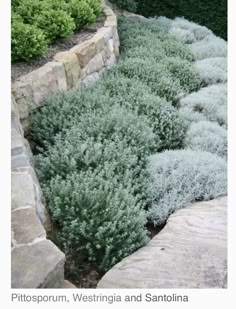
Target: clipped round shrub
column 95, row 5
column 152, row 74
column 55, row 24
column 175, row 48
column 212, row 70
column 28, row 9
column 211, row 46
column 180, row 177
column 209, row 103
column 82, row 12
column 116, row 136
column 60, row 112
column 27, row 41
column 185, row 72
column 207, row 136
column 100, row 220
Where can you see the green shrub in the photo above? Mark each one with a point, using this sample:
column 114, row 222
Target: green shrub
column 95, row 5
column 153, row 75
column 207, row 136
column 28, row 9
column 27, row 41
column 99, row 219
column 82, row 12
column 55, row 24
column 116, row 136
column 179, row 177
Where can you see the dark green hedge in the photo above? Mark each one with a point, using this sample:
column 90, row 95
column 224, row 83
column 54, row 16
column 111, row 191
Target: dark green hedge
column 212, row 14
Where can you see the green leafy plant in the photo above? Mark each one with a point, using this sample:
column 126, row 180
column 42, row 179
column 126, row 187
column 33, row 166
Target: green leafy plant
column 27, row 42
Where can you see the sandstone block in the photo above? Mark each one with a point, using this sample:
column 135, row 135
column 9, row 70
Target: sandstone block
column 43, row 83
column 40, row 265
column 106, row 32
column 26, row 226
column 60, row 75
column 90, row 80
column 85, row 51
column 94, row 65
column 72, row 67
column 24, row 98
column 22, row 190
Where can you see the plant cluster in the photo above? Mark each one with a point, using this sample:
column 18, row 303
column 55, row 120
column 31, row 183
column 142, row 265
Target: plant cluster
column 38, row 23
column 94, row 146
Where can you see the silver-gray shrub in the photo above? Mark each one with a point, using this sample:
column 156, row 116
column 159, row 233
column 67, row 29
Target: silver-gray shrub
column 100, row 220
column 207, row 136
column 209, row 103
column 180, row 177
column 212, row 70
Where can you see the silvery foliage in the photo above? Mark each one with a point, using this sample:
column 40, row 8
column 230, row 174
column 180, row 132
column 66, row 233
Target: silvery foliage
column 209, row 103
column 212, row 70
column 100, row 219
column 179, row 177
column 207, row 136
column 184, row 30
column 209, row 47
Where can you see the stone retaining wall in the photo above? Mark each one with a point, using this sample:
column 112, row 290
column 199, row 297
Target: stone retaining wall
column 78, row 67
column 36, row 261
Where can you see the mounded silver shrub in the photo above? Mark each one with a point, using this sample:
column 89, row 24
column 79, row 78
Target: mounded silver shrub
column 100, row 220
column 209, row 103
column 212, row 70
column 179, row 177
column 207, row 136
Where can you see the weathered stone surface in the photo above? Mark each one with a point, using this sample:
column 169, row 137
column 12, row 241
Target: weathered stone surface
column 72, row 67
column 68, row 285
column 26, row 226
column 111, row 21
column 17, row 144
column 99, row 41
column 90, row 80
column 190, row 252
column 23, row 94
column 85, row 51
column 40, row 265
column 22, row 190
column 60, row 75
column 94, row 65
column 106, row 33
column 111, row 61
column 43, row 83
column 20, row 161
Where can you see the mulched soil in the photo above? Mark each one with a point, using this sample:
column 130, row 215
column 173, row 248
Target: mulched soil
column 21, row 68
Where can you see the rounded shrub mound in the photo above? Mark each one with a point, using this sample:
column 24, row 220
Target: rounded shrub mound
column 179, row 177
column 55, row 24
column 27, row 40
column 100, row 220
column 209, row 103
column 207, row 136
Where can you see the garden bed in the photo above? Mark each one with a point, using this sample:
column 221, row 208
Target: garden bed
column 21, row 68
column 126, row 151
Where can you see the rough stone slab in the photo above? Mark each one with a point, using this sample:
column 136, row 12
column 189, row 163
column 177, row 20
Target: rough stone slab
column 72, row 67
column 190, row 252
column 26, row 226
column 85, row 51
column 23, row 94
column 94, row 65
column 20, row 161
column 43, row 82
column 111, row 61
column 99, row 41
column 68, row 285
column 60, row 75
column 90, row 80
column 17, row 144
column 106, row 33
column 22, row 190
column 40, row 265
